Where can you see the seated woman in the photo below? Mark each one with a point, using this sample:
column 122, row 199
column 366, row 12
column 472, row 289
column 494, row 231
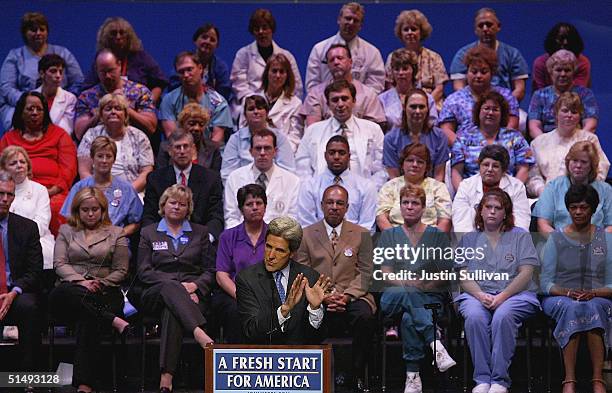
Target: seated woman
column 493, row 164
column 579, row 286
column 19, row 72
column 404, row 70
column 91, row 260
column 177, row 273
column 118, row 35
column 194, row 119
column 134, row 158
column 50, row 148
column 581, row 163
column 250, row 60
column 125, row 208
column 456, row 116
column 406, row 298
column 31, row 198
column 561, row 66
column 412, row 28
column 237, row 150
column 61, row 102
column 490, row 115
column 278, row 85
column 562, row 36
column 239, row 247
column 494, row 309
column 415, row 163
column 416, row 127
column 550, row 149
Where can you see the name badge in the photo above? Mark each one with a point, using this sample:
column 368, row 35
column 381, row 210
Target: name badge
column 158, row 246
column 183, row 239
column 348, row 252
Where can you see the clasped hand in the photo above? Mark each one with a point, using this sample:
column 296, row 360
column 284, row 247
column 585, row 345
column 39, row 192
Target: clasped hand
column 580, row 294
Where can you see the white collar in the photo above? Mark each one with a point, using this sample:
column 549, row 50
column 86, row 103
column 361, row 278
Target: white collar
column 329, row 228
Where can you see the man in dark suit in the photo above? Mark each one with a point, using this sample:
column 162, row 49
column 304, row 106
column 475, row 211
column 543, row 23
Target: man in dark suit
column 204, row 183
column 279, row 300
column 343, row 251
column 21, row 265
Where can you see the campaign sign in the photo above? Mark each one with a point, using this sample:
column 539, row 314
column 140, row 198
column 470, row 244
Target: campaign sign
column 268, row 370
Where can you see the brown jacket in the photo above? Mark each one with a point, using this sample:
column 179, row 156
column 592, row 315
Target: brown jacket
column 349, row 267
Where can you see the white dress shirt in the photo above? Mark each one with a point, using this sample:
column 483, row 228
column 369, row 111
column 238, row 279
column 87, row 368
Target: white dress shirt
column 281, row 191
column 366, row 144
column 368, row 66
column 362, row 192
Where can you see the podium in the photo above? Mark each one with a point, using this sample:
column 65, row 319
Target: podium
column 268, row 368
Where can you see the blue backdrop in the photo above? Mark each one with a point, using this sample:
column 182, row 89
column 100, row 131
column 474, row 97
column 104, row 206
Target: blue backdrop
column 166, row 28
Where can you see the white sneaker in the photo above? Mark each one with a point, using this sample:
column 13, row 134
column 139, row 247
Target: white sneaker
column 497, row 388
column 413, row 383
column 442, row 358
column 481, row 388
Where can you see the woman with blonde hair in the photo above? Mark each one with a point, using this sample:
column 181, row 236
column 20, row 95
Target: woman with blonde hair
column 176, row 270
column 91, row 260
column 125, row 208
column 194, row 119
column 31, row 198
column 412, row 28
column 134, row 158
column 118, row 35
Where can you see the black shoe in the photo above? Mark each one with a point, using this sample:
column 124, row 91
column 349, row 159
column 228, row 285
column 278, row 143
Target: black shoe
column 165, row 390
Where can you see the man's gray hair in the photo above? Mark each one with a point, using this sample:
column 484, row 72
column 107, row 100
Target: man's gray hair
column 178, row 135
column 288, row 229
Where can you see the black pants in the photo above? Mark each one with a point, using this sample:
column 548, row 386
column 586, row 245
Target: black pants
column 179, row 314
column 92, row 313
column 25, row 314
column 225, row 310
column 361, row 323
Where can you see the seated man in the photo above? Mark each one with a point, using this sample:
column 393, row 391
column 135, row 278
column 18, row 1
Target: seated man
column 339, row 62
column 512, row 70
column 367, row 64
column 204, row 183
column 141, row 111
column 21, row 265
column 342, row 251
column 362, row 191
column 279, row 300
column 365, row 137
column 193, row 89
column 281, row 186
column 493, row 161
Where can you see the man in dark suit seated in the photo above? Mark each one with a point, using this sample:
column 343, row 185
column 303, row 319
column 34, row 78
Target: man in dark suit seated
column 279, row 300
column 21, row 265
column 204, row 183
column 343, row 251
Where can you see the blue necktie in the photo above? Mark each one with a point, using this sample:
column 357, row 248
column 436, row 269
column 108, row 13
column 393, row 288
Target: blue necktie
column 279, row 285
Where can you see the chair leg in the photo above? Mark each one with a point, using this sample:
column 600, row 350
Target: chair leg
column 384, row 363
column 465, row 363
column 143, row 348
column 51, row 334
column 528, row 352
column 114, row 360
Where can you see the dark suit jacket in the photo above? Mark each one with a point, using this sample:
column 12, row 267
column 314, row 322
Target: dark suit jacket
column 25, row 253
column 194, row 261
column 349, row 266
column 258, row 301
column 207, row 196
